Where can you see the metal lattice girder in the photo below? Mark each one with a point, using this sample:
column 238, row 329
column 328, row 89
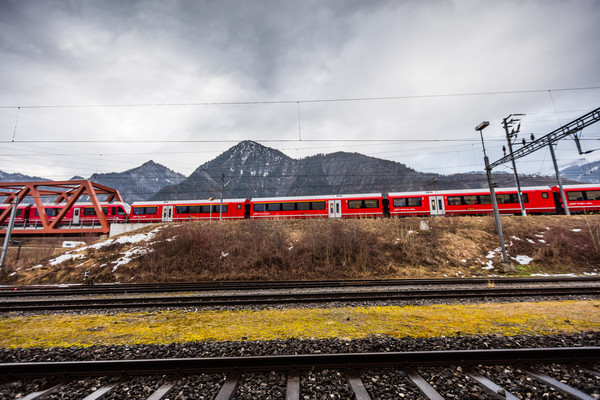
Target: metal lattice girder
column 62, row 191
column 569, row 129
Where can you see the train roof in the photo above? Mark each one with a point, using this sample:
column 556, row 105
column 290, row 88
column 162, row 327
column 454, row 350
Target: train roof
column 584, row 186
column 321, row 197
column 466, row 191
column 186, row 202
column 85, row 203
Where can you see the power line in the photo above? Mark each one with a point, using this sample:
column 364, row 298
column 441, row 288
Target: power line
column 298, row 101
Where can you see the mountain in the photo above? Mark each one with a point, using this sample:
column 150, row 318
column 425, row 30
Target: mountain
column 588, row 173
column 253, row 170
column 139, row 183
column 16, row 177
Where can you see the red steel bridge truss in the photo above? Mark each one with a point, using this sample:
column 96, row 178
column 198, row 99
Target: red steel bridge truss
column 59, row 192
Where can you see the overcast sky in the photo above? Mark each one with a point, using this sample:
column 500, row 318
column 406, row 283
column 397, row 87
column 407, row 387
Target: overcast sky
column 179, row 82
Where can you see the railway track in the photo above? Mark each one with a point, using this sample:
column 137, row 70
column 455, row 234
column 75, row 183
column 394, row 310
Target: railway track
column 258, row 299
column 555, row 373
column 80, row 289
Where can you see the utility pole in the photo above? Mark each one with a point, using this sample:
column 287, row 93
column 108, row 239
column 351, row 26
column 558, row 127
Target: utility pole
column 507, row 265
column 223, row 184
column 509, row 122
column 222, row 187
column 11, row 224
column 560, row 185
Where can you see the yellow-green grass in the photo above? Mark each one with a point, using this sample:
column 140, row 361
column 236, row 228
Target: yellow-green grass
column 542, row 318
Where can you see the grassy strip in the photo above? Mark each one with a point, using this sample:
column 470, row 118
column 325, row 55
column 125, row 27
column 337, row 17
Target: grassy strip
column 550, row 317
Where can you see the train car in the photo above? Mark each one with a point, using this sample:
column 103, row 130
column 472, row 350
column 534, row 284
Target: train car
column 327, row 206
column 187, row 210
column 22, row 216
column 537, row 200
column 82, row 213
column 415, row 204
column 581, row 199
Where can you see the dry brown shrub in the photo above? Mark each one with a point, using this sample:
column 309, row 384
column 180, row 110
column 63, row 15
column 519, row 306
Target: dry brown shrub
column 331, row 249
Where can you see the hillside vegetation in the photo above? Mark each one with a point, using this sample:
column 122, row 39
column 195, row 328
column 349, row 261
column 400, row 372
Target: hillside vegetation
column 321, row 249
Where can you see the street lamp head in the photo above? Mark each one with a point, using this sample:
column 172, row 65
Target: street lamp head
column 482, row 126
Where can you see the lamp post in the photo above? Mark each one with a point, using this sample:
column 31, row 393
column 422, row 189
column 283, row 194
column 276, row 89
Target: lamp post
column 507, row 265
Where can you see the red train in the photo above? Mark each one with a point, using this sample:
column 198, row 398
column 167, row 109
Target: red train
column 80, row 214
column 537, row 200
column 187, row 210
column 333, row 206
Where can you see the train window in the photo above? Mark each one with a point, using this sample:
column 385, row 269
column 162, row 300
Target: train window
column 194, row 209
column 504, row 198
column 182, row 210
column 352, row 204
column 138, row 211
column 273, row 206
column 575, row 196
column 414, row 202
column 259, row 207
column 215, row 208
column 19, row 212
column 239, row 206
column 454, row 200
column 592, row 195
column 545, row 195
column 371, row 203
column 120, row 211
column 144, row 210
column 52, row 212
column 470, row 200
column 317, row 205
column 288, row 206
column 525, row 197
column 485, row 199
column 204, row 209
column 399, row 202
column 303, row 206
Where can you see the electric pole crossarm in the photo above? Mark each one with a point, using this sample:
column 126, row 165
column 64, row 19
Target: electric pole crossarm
column 572, row 127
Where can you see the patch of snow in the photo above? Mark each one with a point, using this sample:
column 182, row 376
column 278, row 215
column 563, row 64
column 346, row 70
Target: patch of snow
column 12, row 274
column 523, row 260
column 128, row 256
column 541, row 241
column 223, row 254
column 576, row 230
column 540, row 236
column 530, row 241
column 492, row 253
column 490, row 265
column 516, row 238
column 65, row 257
column 590, row 273
column 464, row 261
column 557, row 275
column 290, row 248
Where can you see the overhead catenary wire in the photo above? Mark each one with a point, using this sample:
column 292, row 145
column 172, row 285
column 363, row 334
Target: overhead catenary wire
column 298, row 101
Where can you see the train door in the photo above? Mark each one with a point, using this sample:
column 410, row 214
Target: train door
column 436, row 205
column 76, row 211
column 335, row 208
column 167, row 213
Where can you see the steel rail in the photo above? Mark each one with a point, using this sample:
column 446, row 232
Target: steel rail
column 301, row 362
column 78, row 289
column 287, row 298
